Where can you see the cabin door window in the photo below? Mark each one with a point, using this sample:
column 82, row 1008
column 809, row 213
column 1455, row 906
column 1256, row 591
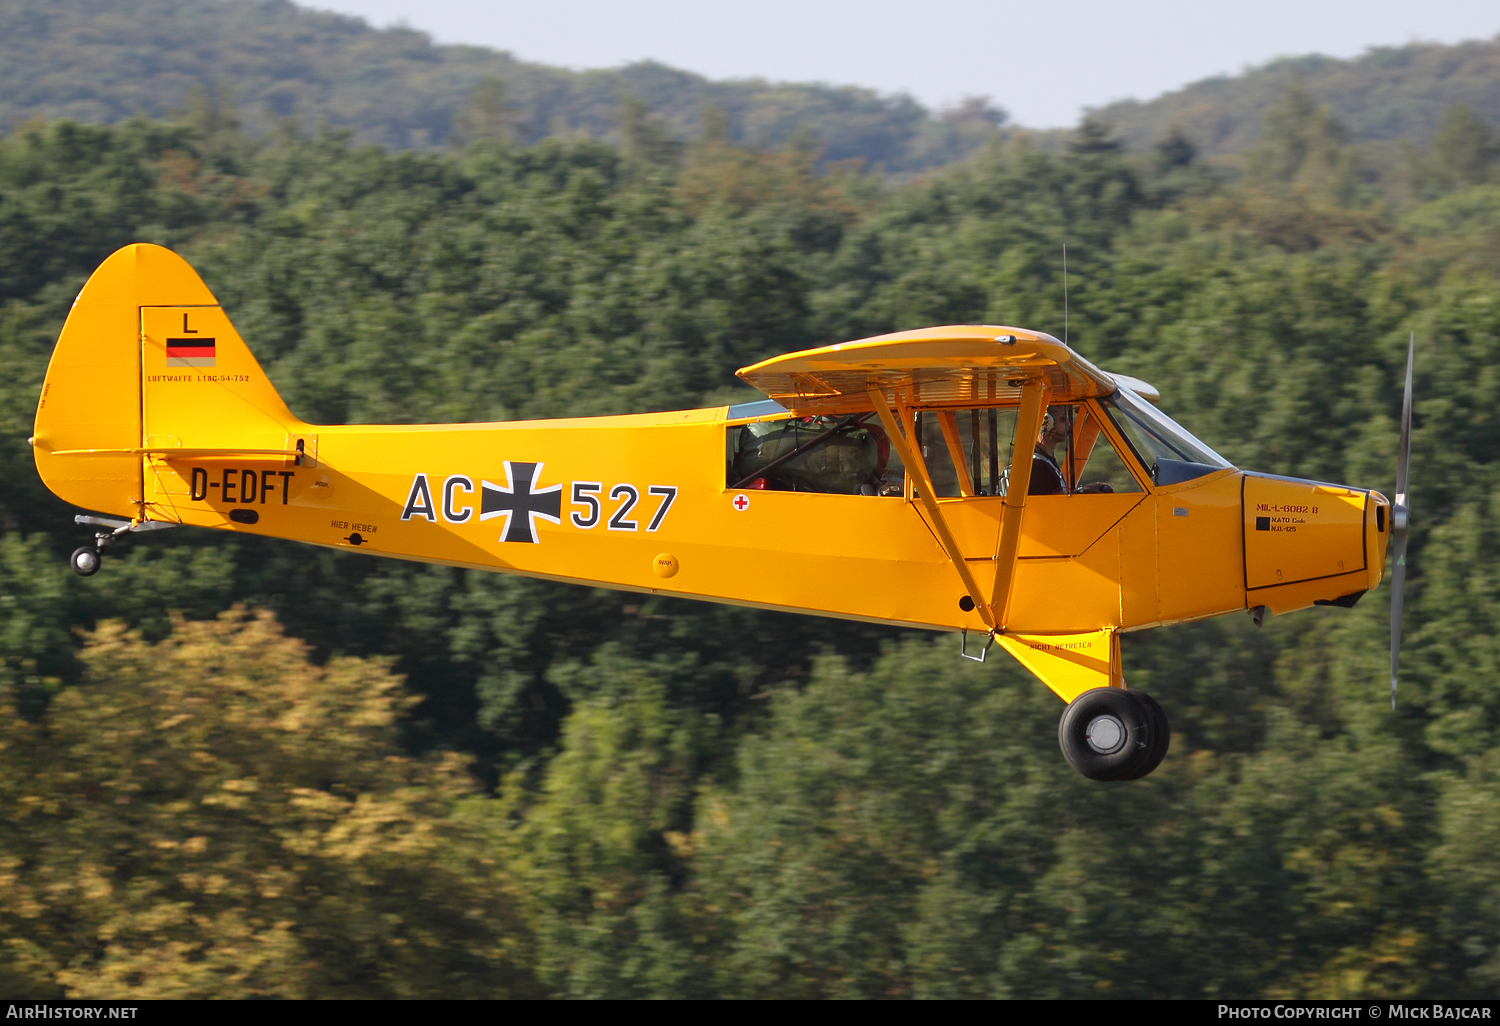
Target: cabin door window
column 967, row 452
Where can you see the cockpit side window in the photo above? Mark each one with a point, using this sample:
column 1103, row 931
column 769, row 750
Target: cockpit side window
column 1096, row 466
column 834, row 455
column 1165, row 448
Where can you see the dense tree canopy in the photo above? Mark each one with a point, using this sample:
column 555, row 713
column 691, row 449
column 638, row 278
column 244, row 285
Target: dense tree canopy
column 440, row 782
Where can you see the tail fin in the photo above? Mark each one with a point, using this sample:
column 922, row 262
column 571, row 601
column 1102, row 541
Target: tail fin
column 148, row 364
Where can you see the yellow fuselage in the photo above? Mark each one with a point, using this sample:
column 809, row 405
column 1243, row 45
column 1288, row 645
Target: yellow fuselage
column 1086, row 561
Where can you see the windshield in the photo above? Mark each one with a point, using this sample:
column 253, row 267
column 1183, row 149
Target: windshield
column 1169, row 452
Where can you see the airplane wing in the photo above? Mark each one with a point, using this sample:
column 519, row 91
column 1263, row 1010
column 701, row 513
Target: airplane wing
column 1146, row 391
column 979, row 364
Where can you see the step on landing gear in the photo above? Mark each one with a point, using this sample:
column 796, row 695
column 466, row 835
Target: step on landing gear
column 1114, row 734
column 87, row 559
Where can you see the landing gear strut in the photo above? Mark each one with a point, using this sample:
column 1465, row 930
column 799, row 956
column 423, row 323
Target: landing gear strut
column 87, row 559
column 1114, row 734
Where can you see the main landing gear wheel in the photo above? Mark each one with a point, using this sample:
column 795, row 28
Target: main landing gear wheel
column 85, row 561
column 1113, row 734
column 1161, row 736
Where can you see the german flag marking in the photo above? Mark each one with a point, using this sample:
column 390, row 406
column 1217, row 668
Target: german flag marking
column 190, row 352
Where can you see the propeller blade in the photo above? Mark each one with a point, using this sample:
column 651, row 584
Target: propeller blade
column 1403, row 463
column 1401, row 517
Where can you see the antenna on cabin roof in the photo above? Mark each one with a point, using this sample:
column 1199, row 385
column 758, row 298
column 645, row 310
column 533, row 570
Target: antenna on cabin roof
column 1065, row 293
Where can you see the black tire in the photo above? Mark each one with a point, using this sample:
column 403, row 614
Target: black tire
column 1105, row 733
column 1161, row 736
column 85, row 561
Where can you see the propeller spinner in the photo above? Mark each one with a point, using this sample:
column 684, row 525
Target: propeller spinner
column 1401, row 518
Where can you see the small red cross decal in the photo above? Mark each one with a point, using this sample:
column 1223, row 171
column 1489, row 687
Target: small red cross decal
column 742, row 502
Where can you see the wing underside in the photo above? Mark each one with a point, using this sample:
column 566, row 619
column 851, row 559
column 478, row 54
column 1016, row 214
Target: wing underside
column 955, row 365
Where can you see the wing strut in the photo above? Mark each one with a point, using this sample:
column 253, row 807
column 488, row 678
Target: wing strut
column 911, row 457
column 956, row 450
column 1028, row 425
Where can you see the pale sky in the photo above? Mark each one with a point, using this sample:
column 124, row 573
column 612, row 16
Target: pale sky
column 1042, row 61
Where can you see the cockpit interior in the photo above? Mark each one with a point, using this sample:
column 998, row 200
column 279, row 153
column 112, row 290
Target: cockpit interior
column 1116, row 444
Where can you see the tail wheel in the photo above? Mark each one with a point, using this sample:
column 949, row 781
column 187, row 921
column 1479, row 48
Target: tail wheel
column 1107, row 734
column 85, row 561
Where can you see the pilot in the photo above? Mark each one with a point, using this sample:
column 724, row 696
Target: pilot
column 1046, row 478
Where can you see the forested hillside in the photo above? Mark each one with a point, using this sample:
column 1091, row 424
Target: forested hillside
column 279, row 68
column 282, row 66
column 1389, row 94
column 238, row 767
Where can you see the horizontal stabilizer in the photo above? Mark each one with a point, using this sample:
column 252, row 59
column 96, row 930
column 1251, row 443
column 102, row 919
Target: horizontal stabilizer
column 169, row 452
column 124, row 526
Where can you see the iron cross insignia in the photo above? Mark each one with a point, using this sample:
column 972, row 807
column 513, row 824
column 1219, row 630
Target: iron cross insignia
column 521, row 502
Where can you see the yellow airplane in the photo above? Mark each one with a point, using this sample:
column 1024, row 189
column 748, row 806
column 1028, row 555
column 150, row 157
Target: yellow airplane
column 877, row 482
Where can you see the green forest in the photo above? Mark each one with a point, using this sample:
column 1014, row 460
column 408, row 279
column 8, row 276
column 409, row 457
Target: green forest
column 235, row 767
